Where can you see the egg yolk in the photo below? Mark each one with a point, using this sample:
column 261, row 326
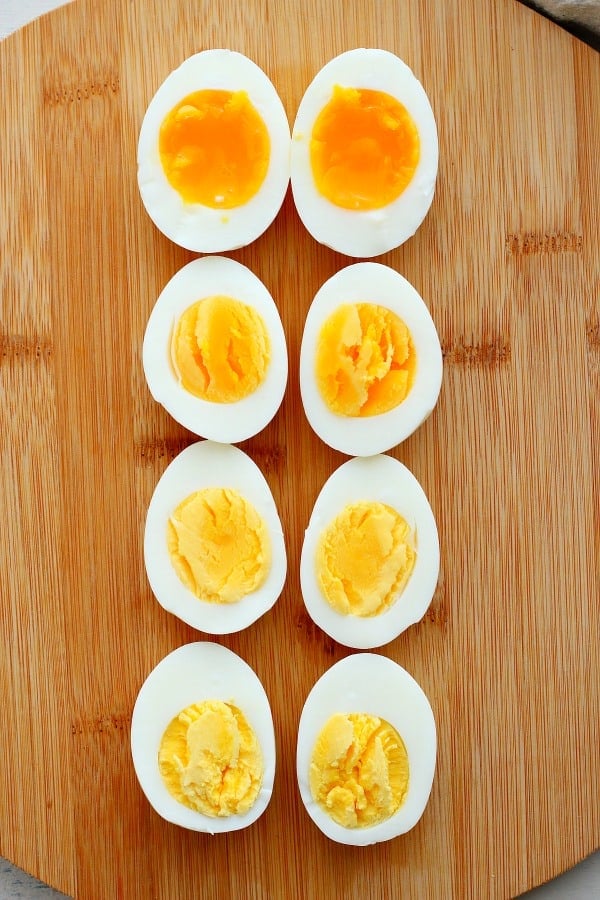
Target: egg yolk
column 365, row 360
column 220, row 349
column 210, row 759
column 219, row 545
column 364, row 559
column 364, row 149
column 215, row 148
column 359, row 770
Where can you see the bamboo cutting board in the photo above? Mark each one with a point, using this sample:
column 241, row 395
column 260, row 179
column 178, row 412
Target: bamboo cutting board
column 508, row 262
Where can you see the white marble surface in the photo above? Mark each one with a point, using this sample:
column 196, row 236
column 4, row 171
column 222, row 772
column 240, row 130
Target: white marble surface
column 580, row 883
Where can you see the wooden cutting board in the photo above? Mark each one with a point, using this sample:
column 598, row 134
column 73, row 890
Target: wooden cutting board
column 508, row 262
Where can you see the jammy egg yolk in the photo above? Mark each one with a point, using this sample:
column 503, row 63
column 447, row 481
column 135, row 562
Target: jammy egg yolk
column 364, row 559
column 210, row 759
column 364, row 149
column 365, row 360
column 359, row 770
column 215, row 148
column 219, row 545
column 220, row 349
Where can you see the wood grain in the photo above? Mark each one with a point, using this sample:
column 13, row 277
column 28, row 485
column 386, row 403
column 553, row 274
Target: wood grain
column 508, row 262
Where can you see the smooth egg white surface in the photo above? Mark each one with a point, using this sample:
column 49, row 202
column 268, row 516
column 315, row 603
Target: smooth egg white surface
column 380, row 479
column 195, row 226
column 364, row 233
column 191, row 674
column 225, row 422
column 372, row 684
column 201, row 465
column 371, row 282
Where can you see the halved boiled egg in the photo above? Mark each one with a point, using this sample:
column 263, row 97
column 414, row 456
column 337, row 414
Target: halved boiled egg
column 213, row 153
column 364, row 154
column 202, row 740
column 366, row 751
column 214, row 548
column 370, row 360
column 370, row 557
column 214, row 351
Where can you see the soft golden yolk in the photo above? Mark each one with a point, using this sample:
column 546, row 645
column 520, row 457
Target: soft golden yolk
column 219, row 545
column 359, row 770
column 220, row 349
column 210, row 759
column 215, row 148
column 365, row 360
column 365, row 557
column 364, row 149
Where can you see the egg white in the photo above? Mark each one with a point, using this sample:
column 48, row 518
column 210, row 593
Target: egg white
column 225, row 422
column 192, row 225
column 380, row 479
column 190, row 674
column 374, row 283
column 372, row 684
column 201, row 465
column 364, row 233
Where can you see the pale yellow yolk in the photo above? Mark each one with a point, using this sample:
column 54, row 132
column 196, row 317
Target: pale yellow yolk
column 219, row 545
column 210, row 759
column 364, row 149
column 365, row 557
column 359, row 770
column 220, row 349
column 215, row 148
column 365, row 360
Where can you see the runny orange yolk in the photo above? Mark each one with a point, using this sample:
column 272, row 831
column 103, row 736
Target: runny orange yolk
column 364, row 149
column 365, row 360
column 215, row 148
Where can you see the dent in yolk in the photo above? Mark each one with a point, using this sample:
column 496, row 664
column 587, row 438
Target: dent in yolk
column 215, row 148
column 220, row 349
column 219, row 545
column 210, row 759
column 359, row 770
column 365, row 360
column 364, row 149
column 365, row 557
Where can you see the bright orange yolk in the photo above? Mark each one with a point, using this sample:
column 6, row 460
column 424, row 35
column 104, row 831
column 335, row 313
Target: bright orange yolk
column 215, row 148
column 364, row 149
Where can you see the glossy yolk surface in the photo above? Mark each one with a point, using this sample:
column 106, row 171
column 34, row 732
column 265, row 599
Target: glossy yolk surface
column 364, row 149
column 215, row 148
column 210, row 759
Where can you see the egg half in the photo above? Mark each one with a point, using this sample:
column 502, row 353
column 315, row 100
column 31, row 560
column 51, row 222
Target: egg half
column 370, row 360
column 364, row 154
column 214, row 351
column 214, row 548
column 213, row 153
column 386, row 760
column 190, row 676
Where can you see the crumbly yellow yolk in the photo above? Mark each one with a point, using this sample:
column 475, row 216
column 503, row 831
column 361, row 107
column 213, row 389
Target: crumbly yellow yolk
column 359, row 770
column 220, row 349
column 365, row 557
column 215, row 148
column 219, row 545
column 210, row 759
column 365, row 360
column 364, row 149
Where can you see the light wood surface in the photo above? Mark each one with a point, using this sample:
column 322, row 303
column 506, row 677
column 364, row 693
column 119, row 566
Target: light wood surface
column 508, row 262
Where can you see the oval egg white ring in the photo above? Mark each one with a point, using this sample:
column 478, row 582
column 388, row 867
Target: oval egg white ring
column 373, row 479
column 373, row 684
column 192, row 225
column 367, row 435
column 191, row 674
column 201, row 465
column 364, row 233
column 224, row 422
